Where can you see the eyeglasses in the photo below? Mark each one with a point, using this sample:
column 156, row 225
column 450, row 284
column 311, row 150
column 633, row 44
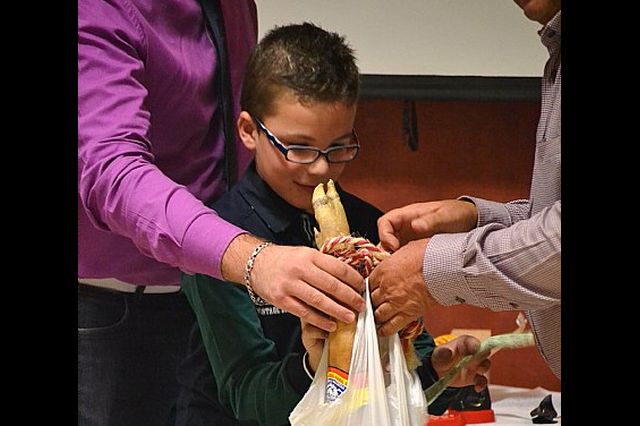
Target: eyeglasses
column 302, row 154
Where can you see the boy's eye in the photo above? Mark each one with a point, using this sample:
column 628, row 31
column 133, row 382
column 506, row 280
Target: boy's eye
column 299, row 154
column 336, row 145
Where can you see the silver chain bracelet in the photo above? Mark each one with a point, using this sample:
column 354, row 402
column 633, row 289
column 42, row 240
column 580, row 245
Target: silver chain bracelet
column 257, row 300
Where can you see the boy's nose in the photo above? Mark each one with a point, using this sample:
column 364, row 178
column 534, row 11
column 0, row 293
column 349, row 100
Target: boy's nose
column 320, row 166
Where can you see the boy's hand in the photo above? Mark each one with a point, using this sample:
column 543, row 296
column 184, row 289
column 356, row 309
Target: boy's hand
column 423, row 220
column 313, row 340
column 445, row 356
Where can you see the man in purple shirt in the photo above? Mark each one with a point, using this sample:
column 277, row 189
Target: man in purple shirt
column 150, row 158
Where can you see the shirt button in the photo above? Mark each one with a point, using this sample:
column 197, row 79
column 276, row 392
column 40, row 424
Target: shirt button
column 514, row 305
column 460, row 299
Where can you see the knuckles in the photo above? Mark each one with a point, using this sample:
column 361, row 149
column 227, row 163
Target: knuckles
column 315, row 299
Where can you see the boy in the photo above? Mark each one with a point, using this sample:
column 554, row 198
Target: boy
column 246, row 362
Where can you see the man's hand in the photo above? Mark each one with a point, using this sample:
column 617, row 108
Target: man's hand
column 313, row 339
column 445, row 356
column 304, row 282
column 423, row 220
column 308, row 284
column 397, row 287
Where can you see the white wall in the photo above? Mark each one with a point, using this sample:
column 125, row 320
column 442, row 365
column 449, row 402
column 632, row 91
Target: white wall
column 423, row 37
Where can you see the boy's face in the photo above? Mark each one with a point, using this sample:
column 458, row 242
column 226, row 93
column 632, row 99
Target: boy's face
column 320, row 125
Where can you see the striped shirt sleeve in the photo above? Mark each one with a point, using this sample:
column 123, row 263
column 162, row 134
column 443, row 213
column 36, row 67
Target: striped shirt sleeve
column 497, row 266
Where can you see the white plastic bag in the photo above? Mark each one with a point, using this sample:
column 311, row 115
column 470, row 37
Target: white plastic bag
column 373, row 397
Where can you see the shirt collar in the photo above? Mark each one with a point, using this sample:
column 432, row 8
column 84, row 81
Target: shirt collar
column 275, row 212
column 550, row 33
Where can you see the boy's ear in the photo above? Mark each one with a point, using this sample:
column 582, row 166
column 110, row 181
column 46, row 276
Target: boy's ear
column 247, row 130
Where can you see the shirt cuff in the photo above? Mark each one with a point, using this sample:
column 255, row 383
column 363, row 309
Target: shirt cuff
column 205, row 243
column 489, row 211
column 442, row 270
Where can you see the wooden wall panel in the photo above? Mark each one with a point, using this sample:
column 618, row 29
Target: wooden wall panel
column 477, row 148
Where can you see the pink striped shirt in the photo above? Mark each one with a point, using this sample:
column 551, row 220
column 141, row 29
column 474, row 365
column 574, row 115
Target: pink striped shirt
column 511, row 261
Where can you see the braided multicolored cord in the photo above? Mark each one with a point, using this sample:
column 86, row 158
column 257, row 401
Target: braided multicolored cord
column 364, row 256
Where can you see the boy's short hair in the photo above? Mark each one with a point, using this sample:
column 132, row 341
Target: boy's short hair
column 313, row 64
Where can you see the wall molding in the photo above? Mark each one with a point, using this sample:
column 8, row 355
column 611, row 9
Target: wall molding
column 466, row 88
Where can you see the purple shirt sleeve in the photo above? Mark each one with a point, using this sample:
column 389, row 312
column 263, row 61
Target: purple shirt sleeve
column 122, row 188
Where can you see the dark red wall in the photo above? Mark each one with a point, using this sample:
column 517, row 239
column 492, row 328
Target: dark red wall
column 477, row 148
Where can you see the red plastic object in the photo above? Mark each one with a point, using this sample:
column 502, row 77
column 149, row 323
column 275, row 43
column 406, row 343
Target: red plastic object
column 480, row 416
column 461, row 418
column 446, row 419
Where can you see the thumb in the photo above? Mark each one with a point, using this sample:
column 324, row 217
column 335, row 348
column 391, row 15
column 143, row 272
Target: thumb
column 389, row 241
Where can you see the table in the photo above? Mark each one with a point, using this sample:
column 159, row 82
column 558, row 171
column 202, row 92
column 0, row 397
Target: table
column 512, row 405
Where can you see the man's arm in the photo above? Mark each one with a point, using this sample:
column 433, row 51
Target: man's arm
column 121, row 188
column 422, row 220
column 499, row 267
column 496, row 266
column 298, row 280
column 123, row 191
column 495, row 212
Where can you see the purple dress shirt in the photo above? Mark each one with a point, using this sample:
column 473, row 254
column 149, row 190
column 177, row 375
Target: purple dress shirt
column 149, row 153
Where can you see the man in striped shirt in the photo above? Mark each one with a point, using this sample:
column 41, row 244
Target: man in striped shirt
column 500, row 256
